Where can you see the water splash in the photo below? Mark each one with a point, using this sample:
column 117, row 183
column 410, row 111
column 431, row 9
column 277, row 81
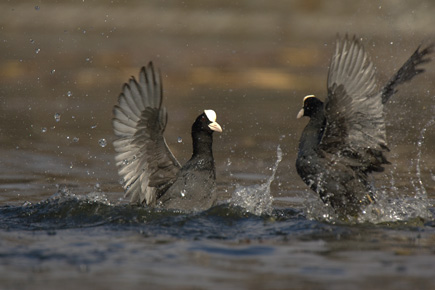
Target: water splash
column 404, row 208
column 420, row 189
column 256, row 199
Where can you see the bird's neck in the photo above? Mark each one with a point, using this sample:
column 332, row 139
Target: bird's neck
column 312, row 134
column 202, row 145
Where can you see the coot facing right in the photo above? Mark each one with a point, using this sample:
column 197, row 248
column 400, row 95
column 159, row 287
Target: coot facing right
column 151, row 174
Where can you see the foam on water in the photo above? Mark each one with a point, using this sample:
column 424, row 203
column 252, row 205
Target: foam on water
column 256, row 199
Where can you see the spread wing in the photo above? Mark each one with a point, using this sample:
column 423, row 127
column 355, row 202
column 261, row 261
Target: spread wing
column 143, row 158
column 355, row 129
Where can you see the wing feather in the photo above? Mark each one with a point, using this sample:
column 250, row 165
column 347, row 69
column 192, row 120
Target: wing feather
column 143, row 158
column 355, row 127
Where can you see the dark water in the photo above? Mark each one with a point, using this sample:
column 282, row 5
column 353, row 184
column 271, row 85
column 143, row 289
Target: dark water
column 64, row 223
column 72, row 241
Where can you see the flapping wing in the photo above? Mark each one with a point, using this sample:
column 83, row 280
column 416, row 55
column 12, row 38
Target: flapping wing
column 355, row 126
column 408, row 70
column 143, row 158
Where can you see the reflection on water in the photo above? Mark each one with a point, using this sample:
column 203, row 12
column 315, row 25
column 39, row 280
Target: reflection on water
column 61, row 69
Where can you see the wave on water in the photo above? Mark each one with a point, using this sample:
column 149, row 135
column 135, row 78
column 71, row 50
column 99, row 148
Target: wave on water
column 92, row 214
column 66, row 210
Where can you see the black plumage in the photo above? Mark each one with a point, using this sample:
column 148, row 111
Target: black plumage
column 151, row 174
column 345, row 139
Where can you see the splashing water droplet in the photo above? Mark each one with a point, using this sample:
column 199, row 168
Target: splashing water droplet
column 102, row 142
column 57, row 117
column 256, row 198
column 179, row 140
column 399, row 208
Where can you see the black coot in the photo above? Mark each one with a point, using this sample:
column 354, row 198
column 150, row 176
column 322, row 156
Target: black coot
column 151, row 174
column 345, row 138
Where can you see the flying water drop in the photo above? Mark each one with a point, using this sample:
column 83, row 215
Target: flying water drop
column 102, row 142
column 57, row 117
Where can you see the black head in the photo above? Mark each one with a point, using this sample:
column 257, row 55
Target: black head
column 206, row 122
column 311, row 106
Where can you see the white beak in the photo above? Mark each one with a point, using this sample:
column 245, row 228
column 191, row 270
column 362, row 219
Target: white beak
column 215, row 127
column 300, row 114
